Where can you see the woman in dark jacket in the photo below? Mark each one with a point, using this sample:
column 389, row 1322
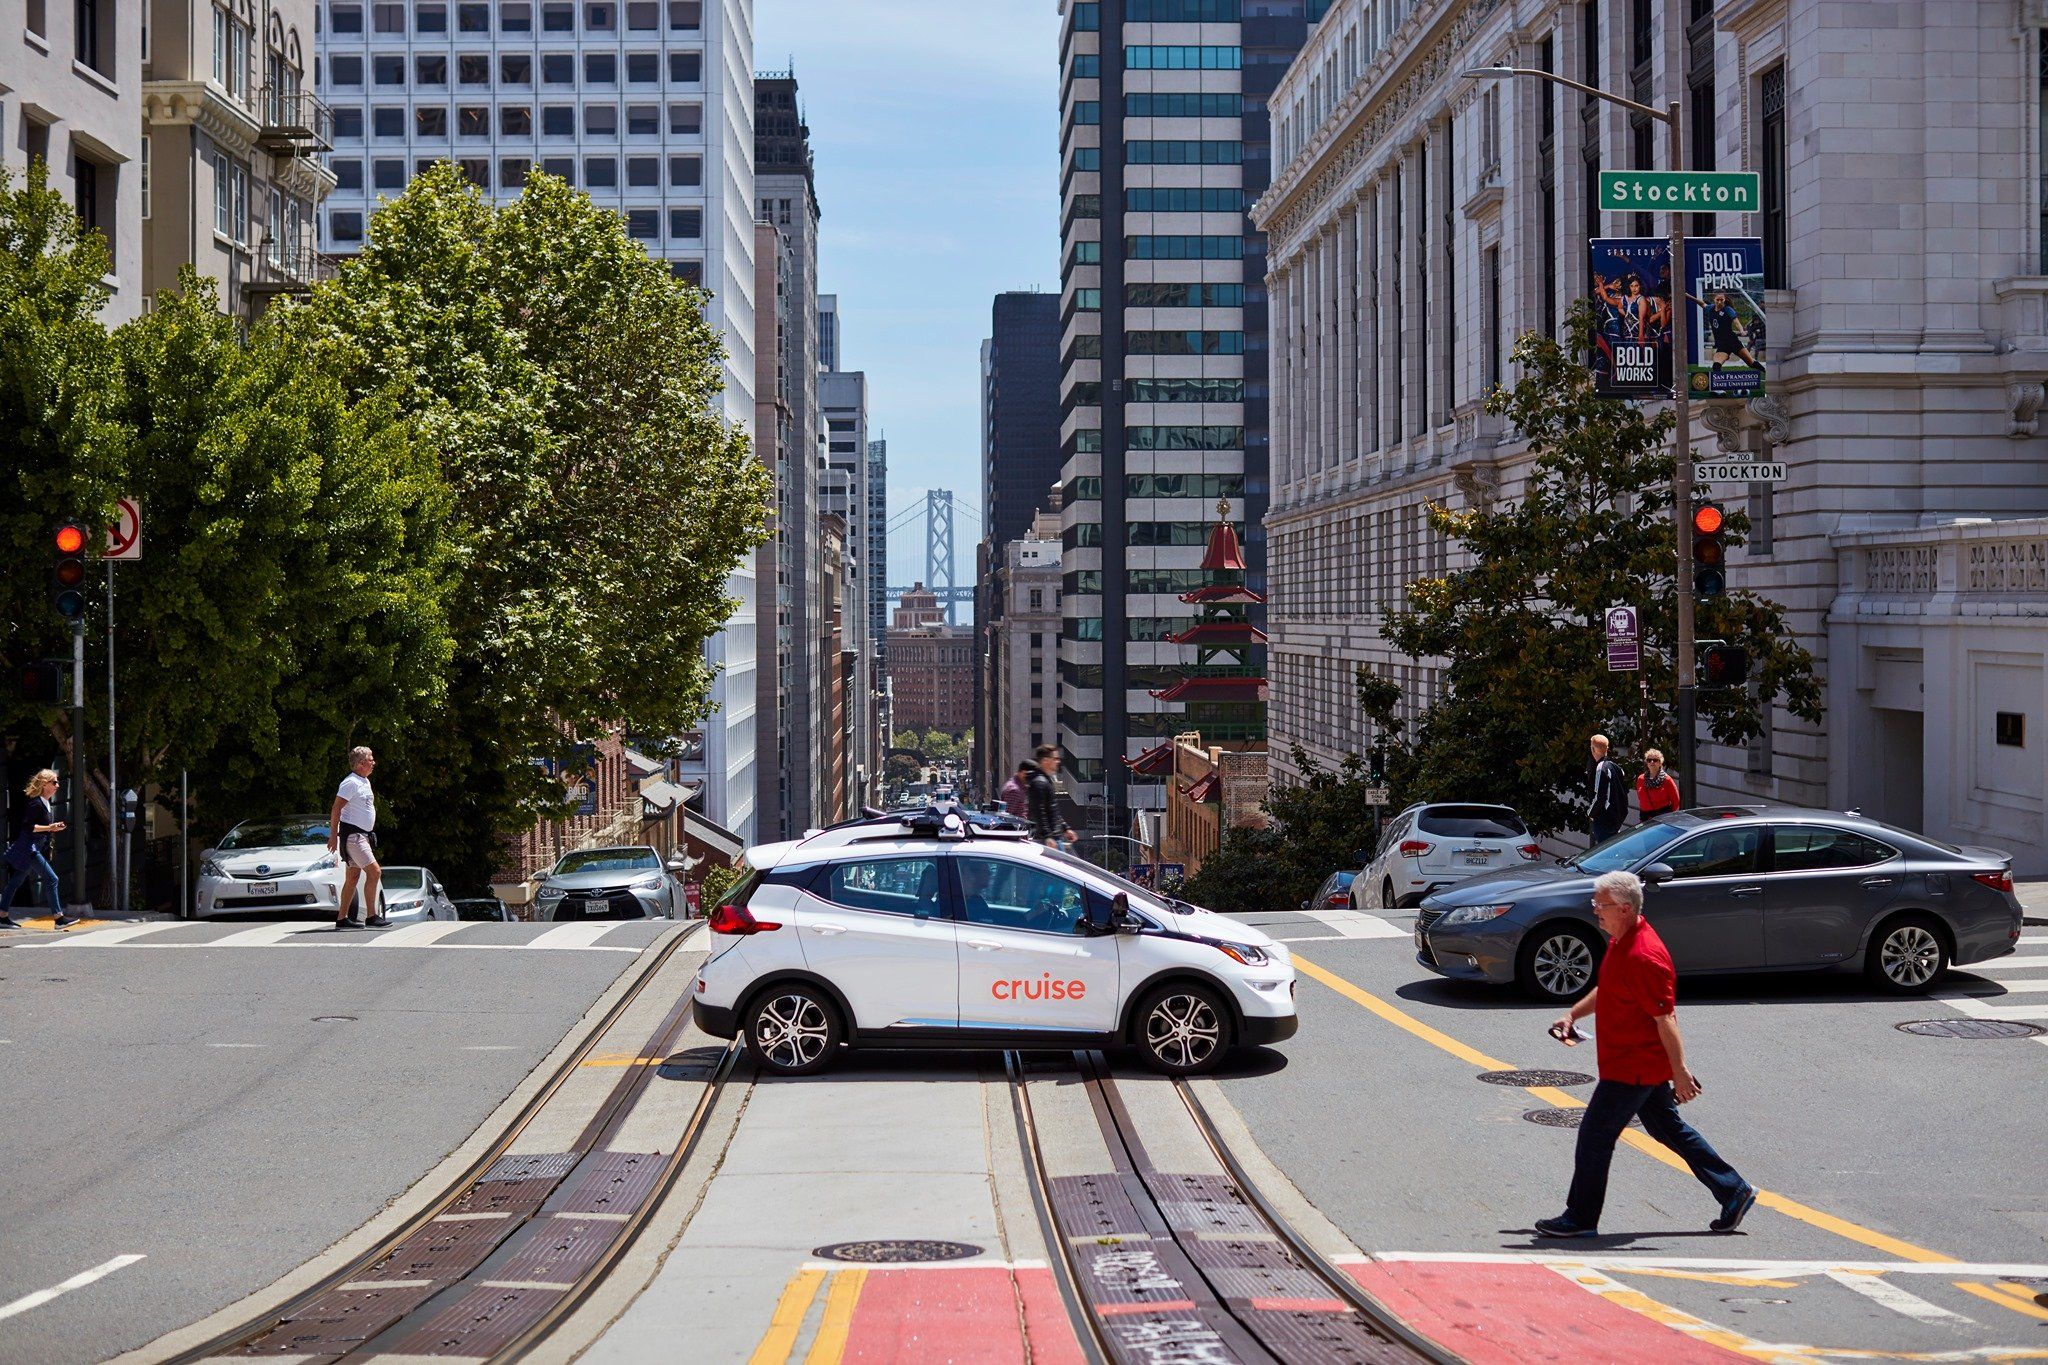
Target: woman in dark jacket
column 28, row 849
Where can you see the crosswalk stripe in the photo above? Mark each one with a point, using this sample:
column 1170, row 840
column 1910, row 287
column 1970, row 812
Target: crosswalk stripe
column 1354, row 924
column 1898, row 1300
column 262, row 935
column 581, row 935
column 127, row 933
column 2003, row 965
column 1980, row 1009
column 416, row 935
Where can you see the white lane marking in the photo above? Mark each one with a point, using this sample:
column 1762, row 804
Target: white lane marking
column 2017, row 986
column 416, row 935
column 491, row 1047
column 1984, row 1009
column 78, row 1281
column 261, row 936
column 1898, row 1300
column 1699, row 1329
column 238, row 1045
column 330, row 940
column 1306, row 938
column 580, row 935
column 126, row 933
column 1779, row 1269
column 1353, row 924
column 1999, row 965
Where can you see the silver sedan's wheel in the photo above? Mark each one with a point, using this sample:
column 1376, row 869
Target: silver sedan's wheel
column 1906, row 956
column 1184, row 1030
column 1559, row 963
column 792, row 1031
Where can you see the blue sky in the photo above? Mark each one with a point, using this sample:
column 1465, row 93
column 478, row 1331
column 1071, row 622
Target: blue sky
column 935, row 124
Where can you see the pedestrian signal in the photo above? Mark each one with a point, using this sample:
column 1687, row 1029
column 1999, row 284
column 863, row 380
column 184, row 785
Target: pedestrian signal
column 67, row 573
column 42, row 683
column 1709, row 551
column 1723, row 664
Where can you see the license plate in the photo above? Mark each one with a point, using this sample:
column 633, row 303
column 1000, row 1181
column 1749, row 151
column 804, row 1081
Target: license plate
column 263, row 888
column 1478, row 857
column 1421, row 943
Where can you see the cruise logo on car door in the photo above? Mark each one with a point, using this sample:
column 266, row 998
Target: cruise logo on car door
column 1045, row 988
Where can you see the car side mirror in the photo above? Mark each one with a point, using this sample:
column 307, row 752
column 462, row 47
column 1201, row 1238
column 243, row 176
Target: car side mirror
column 1656, row 874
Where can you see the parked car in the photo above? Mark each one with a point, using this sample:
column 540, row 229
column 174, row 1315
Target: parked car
column 483, row 908
column 624, row 882
column 270, row 865
column 1738, row 889
column 1432, row 845
column 413, row 894
column 1333, row 894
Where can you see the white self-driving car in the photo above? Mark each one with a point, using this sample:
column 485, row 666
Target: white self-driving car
column 925, row 931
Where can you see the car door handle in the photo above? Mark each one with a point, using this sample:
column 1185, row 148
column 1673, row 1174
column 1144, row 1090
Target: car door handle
column 828, row 928
column 983, row 945
column 1879, row 881
column 1745, row 890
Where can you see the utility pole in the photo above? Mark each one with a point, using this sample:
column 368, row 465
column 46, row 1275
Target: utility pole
column 76, row 825
column 117, row 890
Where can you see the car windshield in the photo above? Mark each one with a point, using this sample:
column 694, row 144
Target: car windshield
column 610, row 860
column 1141, row 897
column 306, row 829
column 1471, row 822
column 1624, row 851
column 404, row 878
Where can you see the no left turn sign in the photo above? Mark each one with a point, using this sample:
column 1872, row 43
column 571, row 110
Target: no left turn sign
column 124, row 537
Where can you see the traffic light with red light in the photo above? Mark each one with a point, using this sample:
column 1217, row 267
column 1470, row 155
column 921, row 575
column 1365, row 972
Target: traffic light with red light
column 43, row 682
column 1723, row 664
column 67, row 572
column 1709, row 551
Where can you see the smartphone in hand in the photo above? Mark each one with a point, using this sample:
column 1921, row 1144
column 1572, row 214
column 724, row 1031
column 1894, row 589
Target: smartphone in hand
column 1567, row 1032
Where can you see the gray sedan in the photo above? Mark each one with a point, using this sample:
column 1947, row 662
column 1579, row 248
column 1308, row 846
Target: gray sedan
column 625, row 882
column 1738, row 889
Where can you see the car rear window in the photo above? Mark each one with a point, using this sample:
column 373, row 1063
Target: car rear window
column 1471, row 822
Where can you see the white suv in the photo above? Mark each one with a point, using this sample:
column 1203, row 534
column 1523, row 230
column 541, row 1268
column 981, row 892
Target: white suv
column 1432, row 845
column 926, row 931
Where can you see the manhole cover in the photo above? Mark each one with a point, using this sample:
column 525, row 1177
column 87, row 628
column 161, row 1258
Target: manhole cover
column 897, row 1251
column 1535, row 1078
column 1563, row 1118
column 334, row 1019
column 1971, row 1028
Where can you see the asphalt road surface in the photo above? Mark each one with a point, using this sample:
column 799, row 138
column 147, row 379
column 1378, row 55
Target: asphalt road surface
column 224, row 1113
column 1878, row 1147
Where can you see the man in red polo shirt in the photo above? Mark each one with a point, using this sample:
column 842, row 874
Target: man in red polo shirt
column 1642, row 1067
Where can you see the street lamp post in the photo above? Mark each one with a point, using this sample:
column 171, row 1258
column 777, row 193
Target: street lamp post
column 1681, row 464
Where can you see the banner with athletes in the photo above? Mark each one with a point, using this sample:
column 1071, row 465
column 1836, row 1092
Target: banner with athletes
column 1724, row 288
column 1632, row 300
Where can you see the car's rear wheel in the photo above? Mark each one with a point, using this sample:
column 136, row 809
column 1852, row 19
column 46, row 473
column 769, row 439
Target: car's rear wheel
column 1907, row 956
column 1183, row 1029
column 1387, row 901
column 792, row 1030
column 1558, row 962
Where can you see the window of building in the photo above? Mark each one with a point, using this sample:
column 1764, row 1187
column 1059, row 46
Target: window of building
column 348, row 125
column 558, row 17
column 686, row 16
column 1183, row 152
column 1183, row 248
column 515, row 68
column 643, row 16
column 601, row 120
column 557, row 68
column 689, row 272
column 340, row 18
column 512, row 172
column 1087, row 66
column 91, row 196
column 686, row 68
column 472, row 17
column 387, row 18
column 345, row 225
column 643, row 172
column 558, row 120
column 240, row 178
column 643, row 68
column 1183, row 104
column 685, row 172
column 473, row 68
column 1776, row 181
column 600, row 16
column 1088, row 16
column 390, row 70
column 1037, row 600
column 1086, row 159
column 477, row 169
column 686, row 225
column 643, row 120
column 1181, row 58
column 430, row 121
column 345, row 70
column 600, row 68
column 1088, row 111
column 1184, row 295
column 561, row 167
column 515, row 16
column 430, row 17
column 685, row 120
column 388, row 121
column 643, row 224
column 1491, row 377
column 516, row 120
column 387, row 174
column 1184, row 343
column 427, row 70
column 600, row 172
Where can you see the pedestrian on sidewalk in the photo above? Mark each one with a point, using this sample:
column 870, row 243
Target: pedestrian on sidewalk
column 1015, row 794
column 352, row 832
column 28, row 849
column 1643, row 1072
column 1609, row 806
column 1042, row 800
column 1656, row 790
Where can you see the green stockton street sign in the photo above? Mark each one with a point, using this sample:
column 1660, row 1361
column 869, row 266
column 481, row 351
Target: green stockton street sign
column 1702, row 191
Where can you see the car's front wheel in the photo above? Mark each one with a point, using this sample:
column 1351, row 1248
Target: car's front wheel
column 1906, row 957
column 792, row 1030
column 1558, row 962
column 1183, row 1029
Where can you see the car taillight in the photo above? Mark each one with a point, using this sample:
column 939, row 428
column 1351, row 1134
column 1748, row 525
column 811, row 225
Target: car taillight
column 1530, row 851
column 1997, row 881
column 1415, row 848
column 737, row 919
column 1338, row 898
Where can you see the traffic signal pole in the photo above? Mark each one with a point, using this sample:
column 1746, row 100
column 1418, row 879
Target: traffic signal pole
column 77, row 823
column 1685, row 650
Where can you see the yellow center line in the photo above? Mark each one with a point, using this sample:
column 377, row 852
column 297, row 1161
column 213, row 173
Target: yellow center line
column 2016, row 1297
column 1747, row 1281
column 1642, row 1142
column 790, row 1311
column 622, row 1059
column 830, row 1344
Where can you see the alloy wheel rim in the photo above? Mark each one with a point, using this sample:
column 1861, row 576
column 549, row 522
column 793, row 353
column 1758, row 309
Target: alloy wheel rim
column 1911, row 955
column 792, row 1030
column 1563, row 964
column 1183, row 1030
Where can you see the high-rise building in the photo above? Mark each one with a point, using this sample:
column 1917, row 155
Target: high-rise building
column 786, row 198
column 647, row 105
column 1022, row 655
column 878, row 544
column 1164, row 145
column 842, row 492
column 828, row 333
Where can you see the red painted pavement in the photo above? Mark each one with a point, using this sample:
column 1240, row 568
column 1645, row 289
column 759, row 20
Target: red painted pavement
column 962, row 1313
column 1524, row 1314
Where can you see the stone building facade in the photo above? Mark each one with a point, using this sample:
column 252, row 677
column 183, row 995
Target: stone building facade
column 1021, row 655
column 1419, row 222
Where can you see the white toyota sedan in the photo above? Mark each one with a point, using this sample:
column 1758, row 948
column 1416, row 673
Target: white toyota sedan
column 925, row 931
column 270, row 865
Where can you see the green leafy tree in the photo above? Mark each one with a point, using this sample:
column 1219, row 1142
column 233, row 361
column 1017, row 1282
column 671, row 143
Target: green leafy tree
column 1321, row 826
column 567, row 382
column 1521, row 628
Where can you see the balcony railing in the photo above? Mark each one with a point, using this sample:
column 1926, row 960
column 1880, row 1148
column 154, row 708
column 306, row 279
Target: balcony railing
column 289, row 268
column 294, row 123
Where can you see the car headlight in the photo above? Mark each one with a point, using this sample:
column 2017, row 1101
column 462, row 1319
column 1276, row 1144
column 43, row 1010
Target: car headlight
column 550, row 893
column 209, row 868
column 1473, row 914
column 647, row 884
column 1249, row 954
column 326, row 862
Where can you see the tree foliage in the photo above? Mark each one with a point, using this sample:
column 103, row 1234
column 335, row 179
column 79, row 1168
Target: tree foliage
column 1522, row 627
column 1321, row 826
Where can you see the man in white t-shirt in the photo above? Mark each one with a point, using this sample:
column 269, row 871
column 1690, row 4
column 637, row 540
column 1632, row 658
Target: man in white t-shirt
column 352, row 825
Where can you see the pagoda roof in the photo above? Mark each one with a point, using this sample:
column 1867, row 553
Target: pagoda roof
column 1203, row 788
column 1221, row 633
column 1215, row 689
column 1224, row 551
column 1157, row 759
column 1224, row 594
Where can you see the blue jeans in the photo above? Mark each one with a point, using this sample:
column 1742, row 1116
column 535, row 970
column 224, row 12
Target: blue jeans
column 38, row 867
column 1613, row 1104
